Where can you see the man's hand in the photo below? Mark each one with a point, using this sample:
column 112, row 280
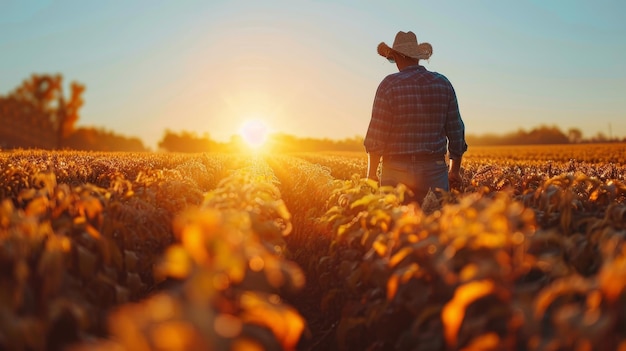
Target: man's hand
column 455, row 180
column 454, row 174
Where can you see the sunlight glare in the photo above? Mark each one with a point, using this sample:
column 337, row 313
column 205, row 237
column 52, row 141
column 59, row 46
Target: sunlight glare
column 254, row 132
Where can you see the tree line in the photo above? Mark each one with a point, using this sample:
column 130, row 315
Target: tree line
column 190, row 142
column 38, row 114
column 540, row 135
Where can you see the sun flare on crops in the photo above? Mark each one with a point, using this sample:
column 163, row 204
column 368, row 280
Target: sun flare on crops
column 254, row 133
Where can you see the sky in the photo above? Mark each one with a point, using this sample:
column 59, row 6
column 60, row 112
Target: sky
column 310, row 68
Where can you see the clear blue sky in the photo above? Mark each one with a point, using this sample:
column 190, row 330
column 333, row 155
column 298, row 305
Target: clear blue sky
column 310, row 68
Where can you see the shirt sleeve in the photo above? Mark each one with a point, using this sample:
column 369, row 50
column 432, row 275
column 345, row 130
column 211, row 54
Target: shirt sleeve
column 455, row 129
column 380, row 124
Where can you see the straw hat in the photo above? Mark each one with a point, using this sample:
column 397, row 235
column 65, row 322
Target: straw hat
column 406, row 44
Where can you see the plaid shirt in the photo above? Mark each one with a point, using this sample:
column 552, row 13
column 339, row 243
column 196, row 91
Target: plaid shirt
column 416, row 112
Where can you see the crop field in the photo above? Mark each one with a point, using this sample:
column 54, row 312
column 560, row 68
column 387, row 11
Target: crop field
column 146, row 251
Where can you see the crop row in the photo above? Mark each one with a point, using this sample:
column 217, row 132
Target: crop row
column 489, row 270
column 81, row 233
column 227, row 270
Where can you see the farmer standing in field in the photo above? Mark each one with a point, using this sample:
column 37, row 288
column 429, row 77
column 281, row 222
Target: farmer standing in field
column 415, row 122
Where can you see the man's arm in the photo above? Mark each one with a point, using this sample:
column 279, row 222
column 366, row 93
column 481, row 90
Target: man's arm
column 455, row 131
column 373, row 159
column 378, row 131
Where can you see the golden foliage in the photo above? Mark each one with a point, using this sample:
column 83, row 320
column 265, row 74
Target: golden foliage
column 195, row 252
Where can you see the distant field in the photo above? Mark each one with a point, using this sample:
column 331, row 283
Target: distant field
column 142, row 251
column 610, row 152
column 614, row 152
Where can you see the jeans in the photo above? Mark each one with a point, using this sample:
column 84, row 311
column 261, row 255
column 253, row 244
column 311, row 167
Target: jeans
column 419, row 176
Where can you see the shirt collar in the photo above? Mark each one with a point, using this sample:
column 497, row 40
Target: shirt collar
column 416, row 67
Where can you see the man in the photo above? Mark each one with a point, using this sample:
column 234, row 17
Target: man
column 415, row 122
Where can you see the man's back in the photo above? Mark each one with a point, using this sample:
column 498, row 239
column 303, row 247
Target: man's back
column 411, row 113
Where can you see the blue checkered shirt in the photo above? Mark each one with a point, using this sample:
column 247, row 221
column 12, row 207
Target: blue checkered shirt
column 416, row 112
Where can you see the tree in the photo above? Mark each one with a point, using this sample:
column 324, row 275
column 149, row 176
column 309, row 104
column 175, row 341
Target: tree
column 68, row 111
column 40, row 103
column 574, row 135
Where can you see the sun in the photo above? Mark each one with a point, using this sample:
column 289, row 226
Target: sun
column 254, row 133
